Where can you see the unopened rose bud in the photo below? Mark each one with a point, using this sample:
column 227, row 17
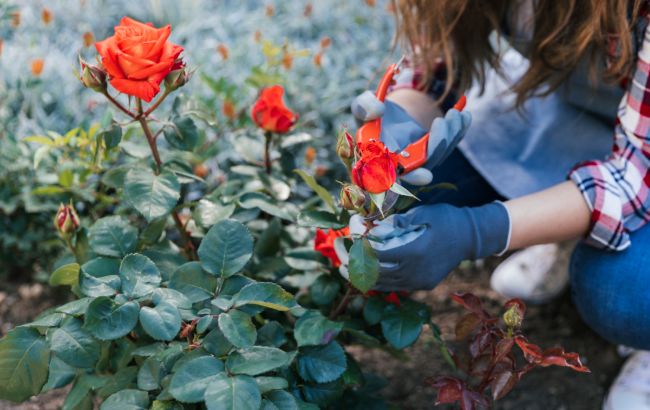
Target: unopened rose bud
column 345, row 147
column 66, row 220
column 176, row 78
column 93, row 77
column 352, row 197
column 513, row 317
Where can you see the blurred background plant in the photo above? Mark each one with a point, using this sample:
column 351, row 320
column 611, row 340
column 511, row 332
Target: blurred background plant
column 323, row 53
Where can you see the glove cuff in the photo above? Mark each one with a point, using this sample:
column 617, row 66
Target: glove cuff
column 491, row 229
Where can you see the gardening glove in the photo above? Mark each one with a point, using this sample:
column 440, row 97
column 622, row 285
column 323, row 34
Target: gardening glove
column 399, row 129
column 417, row 249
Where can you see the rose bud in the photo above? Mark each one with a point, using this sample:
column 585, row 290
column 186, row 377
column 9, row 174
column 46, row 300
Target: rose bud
column 352, row 197
column 66, row 220
column 513, row 317
column 176, row 78
column 376, row 170
column 345, row 146
column 270, row 112
column 93, row 77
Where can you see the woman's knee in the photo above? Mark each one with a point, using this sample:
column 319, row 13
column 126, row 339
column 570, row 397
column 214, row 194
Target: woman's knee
column 611, row 291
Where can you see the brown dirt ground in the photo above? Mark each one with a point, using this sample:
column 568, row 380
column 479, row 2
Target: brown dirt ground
column 548, row 325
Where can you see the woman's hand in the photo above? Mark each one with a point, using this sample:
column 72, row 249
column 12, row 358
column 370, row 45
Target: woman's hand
column 419, row 248
column 400, row 129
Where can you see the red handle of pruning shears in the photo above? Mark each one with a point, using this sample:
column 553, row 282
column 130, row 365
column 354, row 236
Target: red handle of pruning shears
column 414, row 155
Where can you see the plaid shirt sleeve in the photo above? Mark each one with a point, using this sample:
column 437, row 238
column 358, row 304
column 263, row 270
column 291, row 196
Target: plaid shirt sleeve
column 617, row 189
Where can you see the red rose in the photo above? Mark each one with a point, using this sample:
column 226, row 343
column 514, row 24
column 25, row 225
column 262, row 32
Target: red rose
column 138, row 57
column 393, row 298
column 324, row 243
column 270, row 113
column 376, row 170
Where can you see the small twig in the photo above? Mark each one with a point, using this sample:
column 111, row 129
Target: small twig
column 342, row 304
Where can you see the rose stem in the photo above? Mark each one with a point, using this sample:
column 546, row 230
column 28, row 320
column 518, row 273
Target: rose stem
column 118, row 105
column 267, row 152
column 342, row 304
column 155, row 105
column 151, row 139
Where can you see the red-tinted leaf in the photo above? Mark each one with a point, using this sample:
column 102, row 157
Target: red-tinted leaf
column 550, row 357
column 470, row 399
column 481, row 365
column 449, row 390
column 503, row 348
column 532, row 352
column 481, row 341
column 466, row 325
column 472, row 303
column 558, row 357
column 502, row 383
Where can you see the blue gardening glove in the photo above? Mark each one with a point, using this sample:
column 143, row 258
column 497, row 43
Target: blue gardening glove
column 419, row 248
column 399, row 129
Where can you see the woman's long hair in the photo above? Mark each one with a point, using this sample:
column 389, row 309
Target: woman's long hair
column 565, row 32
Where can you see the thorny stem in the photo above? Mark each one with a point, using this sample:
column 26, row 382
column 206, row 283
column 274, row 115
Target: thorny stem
column 190, row 250
column 118, row 105
column 267, row 151
column 155, row 105
column 342, row 304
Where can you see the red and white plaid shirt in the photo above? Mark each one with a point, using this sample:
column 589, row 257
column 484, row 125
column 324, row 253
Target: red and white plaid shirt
column 617, row 189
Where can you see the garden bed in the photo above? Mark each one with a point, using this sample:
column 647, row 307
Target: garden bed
column 552, row 324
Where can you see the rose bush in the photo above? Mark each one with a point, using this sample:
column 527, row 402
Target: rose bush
column 191, row 256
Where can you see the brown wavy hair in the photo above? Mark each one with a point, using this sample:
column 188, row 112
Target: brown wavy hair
column 565, row 32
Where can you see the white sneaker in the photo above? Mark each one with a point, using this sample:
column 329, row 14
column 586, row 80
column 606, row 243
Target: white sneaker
column 631, row 389
column 535, row 275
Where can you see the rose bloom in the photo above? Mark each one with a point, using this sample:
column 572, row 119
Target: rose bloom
column 138, row 57
column 270, row 113
column 376, row 170
column 324, row 243
column 392, row 298
column 37, row 67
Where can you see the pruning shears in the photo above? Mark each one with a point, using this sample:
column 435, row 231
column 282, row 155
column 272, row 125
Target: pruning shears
column 413, row 155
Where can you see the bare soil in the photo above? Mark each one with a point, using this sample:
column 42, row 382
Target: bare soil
column 548, row 325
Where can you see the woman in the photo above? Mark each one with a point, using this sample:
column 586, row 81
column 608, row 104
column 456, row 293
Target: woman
column 584, row 76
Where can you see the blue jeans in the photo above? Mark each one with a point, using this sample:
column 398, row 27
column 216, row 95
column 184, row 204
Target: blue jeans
column 611, row 290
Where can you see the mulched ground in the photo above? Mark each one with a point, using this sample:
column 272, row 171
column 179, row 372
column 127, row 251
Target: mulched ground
column 548, row 325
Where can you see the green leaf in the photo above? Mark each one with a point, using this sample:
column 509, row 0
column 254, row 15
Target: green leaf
column 208, row 213
column 216, row 343
column 401, row 327
column 123, row 379
column 65, row 275
column 140, row 276
column 304, row 259
column 24, row 357
column 314, row 329
column 152, row 195
column 103, row 286
column 256, row 360
column 267, row 204
column 378, row 200
column 162, row 322
column 48, row 190
column 150, row 373
column 324, row 290
column 319, row 219
column 113, row 236
column 74, row 345
column 266, row 294
column 322, row 364
column 400, row 190
column 318, row 189
column 322, row 394
column 238, row 328
column 192, row 281
column 190, row 380
column 373, row 311
column 166, row 405
column 267, row 384
column 107, row 320
column 226, row 248
column 283, row 400
column 271, row 334
column 233, row 393
column 60, row 375
column 112, row 136
column 183, row 134
column 99, row 267
column 171, row 296
column 364, row 265
column 129, row 399
column 79, row 397
column 76, row 307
